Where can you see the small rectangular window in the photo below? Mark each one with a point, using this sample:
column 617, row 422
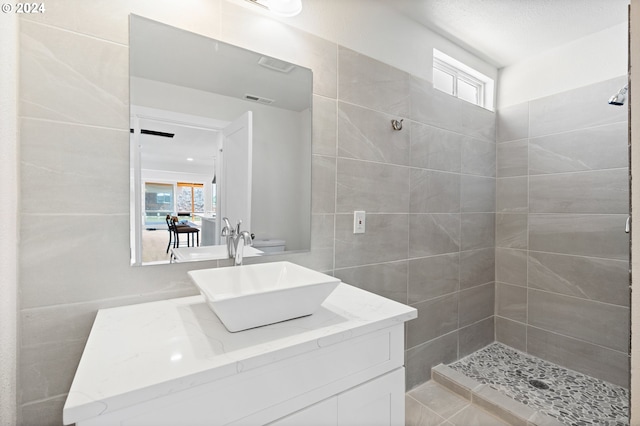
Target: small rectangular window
column 469, row 92
column 443, row 81
column 461, row 81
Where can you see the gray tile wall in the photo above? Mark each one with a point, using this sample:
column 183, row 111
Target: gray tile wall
column 429, row 193
column 429, row 189
column 562, row 256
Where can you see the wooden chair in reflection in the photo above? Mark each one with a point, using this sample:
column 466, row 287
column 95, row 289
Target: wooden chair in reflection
column 176, row 229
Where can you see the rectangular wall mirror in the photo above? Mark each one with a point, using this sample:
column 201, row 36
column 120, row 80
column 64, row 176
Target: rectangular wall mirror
column 216, row 131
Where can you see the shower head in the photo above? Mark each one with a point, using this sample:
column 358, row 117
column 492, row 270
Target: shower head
column 618, row 98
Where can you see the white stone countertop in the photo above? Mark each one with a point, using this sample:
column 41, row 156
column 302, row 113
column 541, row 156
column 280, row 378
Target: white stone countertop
column 141, row 352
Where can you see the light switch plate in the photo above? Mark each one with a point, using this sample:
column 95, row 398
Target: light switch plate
column 359, row 219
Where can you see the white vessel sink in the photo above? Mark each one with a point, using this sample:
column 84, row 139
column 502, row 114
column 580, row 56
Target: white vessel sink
column 251, row 296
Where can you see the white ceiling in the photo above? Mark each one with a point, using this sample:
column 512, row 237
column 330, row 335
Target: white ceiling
column 171, row 55
column 504, row 32
column 163, row 153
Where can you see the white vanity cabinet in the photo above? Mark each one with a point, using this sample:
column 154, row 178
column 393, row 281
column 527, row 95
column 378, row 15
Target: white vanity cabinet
column 173, row 363
column 377, row 402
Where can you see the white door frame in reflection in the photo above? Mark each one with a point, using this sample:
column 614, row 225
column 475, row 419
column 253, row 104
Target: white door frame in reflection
column 163, row 119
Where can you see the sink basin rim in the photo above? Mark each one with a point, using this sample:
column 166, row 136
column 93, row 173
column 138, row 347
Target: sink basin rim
column 238, row 285
column 241, row 305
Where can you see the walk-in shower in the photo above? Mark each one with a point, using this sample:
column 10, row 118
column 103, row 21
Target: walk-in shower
column 562, row 261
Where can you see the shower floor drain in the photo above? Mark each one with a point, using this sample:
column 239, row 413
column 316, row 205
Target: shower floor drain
column 538, row 384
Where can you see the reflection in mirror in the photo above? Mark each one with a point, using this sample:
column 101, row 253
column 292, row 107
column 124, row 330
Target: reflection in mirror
column 216, row 131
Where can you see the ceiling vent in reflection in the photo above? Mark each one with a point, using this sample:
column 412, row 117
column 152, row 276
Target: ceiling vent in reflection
column 276, row 64
column 258, row 99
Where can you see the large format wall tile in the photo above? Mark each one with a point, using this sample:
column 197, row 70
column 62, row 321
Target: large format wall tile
column 434, row 107
column 478, row 157
column 511, row 333
column 511, row 302
column 511, row 230
column 513, row 123
column 325, row 126
column 369, row 83
column 110, row 20
column 434, row 192
column 511, row 266
column 420, row 359
column 372, row 187
column 433, row 276
column 367, row 135
column 435, row 317
column 43, row 412
column 475, row 336
column 323, row 184
column 605, row 191
column 594, row 360
column 433, row 234
column 51, row 376
column 478, row 122
column 478, row 194
column 598, row 323
column 477, row 230
column 477, row 267
column 53, row 165
column 384, row 241
column 512, row 158
column 576, row 109
column 476, row 304
column 386, row 279
column 88, row 84
column 59, row 252
column 603, row 147
column 584, row 235
column 512, row 195
column 603, row 280
column 434, row 148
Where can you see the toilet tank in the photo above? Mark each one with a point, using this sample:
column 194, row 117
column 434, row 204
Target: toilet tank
column 269, row 245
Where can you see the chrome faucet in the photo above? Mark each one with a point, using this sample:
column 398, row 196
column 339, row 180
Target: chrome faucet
column 243, row 239
column 230, row 234
column 234, row 236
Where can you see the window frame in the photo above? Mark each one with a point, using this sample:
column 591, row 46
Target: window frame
column 483, row 84
column 459, row 75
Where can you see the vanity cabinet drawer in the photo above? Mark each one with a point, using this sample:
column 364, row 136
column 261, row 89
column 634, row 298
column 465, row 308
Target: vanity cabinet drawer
column 378, row 402
column 323, row 413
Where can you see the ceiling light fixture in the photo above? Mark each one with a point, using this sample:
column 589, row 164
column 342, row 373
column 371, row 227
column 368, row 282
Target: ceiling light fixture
column 285, row 8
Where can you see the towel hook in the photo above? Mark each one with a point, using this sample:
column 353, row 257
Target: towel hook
column 397, row 125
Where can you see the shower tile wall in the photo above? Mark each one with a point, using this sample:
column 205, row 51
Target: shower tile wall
column 429, row 194
column 562, row 256
column 429, row 190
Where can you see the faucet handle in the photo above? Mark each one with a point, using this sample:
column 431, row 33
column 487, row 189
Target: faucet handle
column 227, row 230
column 238, row 227
column 247, row 238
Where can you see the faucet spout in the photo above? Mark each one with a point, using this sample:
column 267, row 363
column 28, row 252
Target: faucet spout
column 243, row 239
column 230, row 234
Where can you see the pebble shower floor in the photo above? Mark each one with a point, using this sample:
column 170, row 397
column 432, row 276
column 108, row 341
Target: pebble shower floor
column 572, row 398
